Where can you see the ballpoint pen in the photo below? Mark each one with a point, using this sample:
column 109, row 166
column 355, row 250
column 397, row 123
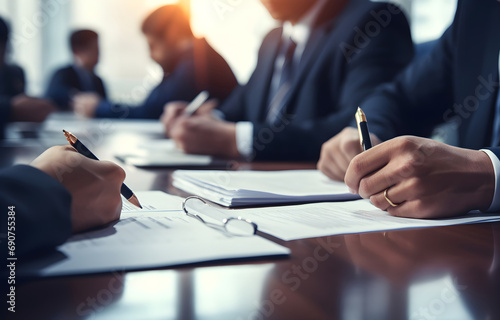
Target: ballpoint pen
column 364, row 134
column 82, row 149
column 197, row 102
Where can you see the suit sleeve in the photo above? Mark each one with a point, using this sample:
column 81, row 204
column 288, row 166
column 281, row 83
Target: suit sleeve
column 233, row 108
column 378, row 62
column 418, row 98
column 178, row 86
column 42, row 209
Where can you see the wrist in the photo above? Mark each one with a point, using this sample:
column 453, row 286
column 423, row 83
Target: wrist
column 231, row 146
column 484, row 178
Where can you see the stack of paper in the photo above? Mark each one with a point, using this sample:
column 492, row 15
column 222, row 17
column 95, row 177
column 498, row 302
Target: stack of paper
column 247, row 188
column 160, row 235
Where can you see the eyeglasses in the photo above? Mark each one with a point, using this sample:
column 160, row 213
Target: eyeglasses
column 234, row 226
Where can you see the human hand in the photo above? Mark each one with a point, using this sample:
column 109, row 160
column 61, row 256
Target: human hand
column 205, row 135
column 173, row 110
column 24, row 108
column 424, row 178
column 337, row 153
column 94, row 185
column 85, row 104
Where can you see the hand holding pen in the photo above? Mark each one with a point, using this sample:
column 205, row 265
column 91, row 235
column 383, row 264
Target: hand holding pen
column 82, row 149
column 337, row 153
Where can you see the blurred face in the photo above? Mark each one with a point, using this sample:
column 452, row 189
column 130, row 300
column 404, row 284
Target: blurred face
column 89, row 56
column 160, row 51
column 288, row 10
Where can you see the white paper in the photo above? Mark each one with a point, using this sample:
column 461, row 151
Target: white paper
column 243, row 188
column 324, row 219
column 152, row 201
column 163, row 153
column 148, row 239
column 79, row 125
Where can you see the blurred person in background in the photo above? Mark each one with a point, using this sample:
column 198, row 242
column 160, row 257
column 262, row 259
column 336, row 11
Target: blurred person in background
column 80, row 76
column 189, row 65
column 311, row 75
column 14, row 104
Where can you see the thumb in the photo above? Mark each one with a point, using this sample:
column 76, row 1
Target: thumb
column 208, row 106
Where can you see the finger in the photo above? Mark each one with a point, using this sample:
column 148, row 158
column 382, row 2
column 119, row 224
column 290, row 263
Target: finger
column 378, row 181
column 67, row 147
column 208, row 106
column 408, row 209
column 332, row 172
column 398, row 194
column 366, row 163
column 343, row 160
column 106, row 170
column 329, row 167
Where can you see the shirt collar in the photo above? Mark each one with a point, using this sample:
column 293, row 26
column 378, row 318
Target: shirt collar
column 301, row 31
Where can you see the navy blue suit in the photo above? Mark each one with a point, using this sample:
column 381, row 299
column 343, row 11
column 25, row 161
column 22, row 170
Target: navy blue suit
column 337, row 71
column 457, row 81
column 12, row 83
column 202, row 68
column 42, row 209
column 66, row 82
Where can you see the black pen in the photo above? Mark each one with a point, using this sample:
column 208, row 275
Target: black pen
column 82, row 149
column 364, row 134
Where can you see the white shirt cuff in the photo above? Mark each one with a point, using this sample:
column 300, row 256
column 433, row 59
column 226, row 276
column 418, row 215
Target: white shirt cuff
column 244, row 138
column 495, row 204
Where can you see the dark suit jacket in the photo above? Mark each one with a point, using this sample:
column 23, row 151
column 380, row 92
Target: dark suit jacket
column 337, row 71
column 12, row 83
column 42, row 209
column 457, row 81
column 201, row 69
column 65, row 82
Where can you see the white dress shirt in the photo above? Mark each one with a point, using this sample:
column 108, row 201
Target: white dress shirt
column 495, row 204
column 300, row 34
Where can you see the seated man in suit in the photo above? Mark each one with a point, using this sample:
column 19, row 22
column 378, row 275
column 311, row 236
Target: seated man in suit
column 14, row 104
column 457, row 82
column 59, row 193
column 311, row 75
column 79, row 77
column 189, row 65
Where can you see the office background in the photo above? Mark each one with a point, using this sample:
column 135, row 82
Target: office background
column 40, row 30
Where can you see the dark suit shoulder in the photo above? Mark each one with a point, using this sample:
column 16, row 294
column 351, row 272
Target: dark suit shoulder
column 13, row 78
column 67, row 71
column 15, row 70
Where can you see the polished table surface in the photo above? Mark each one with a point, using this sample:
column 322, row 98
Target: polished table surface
column 431, row 273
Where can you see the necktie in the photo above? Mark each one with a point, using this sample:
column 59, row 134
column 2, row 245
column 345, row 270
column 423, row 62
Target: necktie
column 496, row 124
column 279, row 91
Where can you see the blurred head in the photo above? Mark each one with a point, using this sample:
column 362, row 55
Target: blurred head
column 4, row 38
column 288, row 10
column 166, row 30
column 85, row 47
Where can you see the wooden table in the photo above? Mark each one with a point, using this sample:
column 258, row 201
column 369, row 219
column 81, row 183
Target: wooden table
column 433, row 273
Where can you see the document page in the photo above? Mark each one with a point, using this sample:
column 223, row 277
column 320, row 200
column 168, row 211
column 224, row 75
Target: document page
column 324, row 219
column 149, row 238
column 163, row 153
